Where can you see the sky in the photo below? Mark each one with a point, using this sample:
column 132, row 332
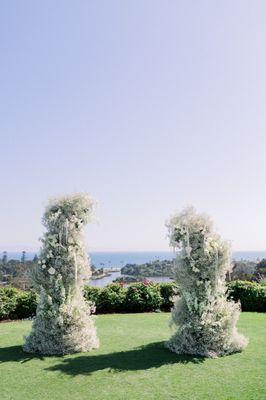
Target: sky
column 147, row 105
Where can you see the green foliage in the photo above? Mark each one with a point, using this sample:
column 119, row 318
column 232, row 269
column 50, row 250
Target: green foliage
column 243, row 270
column 111, row 299
column 129, row 279
column 168, row 293
column 251, row 295
column 118, row 298
column 91, row 294
column 263, row 282
column 16, row 273
column 26, row 305
column 17, row 304
column 149, row 269
column 142, row 297
column 8, row 302
column 261, row 268
column 138, row 297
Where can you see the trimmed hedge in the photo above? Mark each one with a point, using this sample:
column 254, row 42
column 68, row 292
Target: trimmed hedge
column 17, row 304
column 109, row 299
column 141, row 297
column 136, row 297
column 252, row 295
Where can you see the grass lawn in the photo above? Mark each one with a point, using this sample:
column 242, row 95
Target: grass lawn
column 132, row 363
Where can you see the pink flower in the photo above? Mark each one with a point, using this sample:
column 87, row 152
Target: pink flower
column 146, row 282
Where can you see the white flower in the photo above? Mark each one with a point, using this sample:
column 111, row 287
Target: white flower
column 204, row 307
column 43, row 266
column 51, row 271
column 195, row 269
column 188, row 250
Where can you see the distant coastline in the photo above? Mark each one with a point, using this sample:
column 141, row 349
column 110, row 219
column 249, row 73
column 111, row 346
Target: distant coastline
column 119, row 259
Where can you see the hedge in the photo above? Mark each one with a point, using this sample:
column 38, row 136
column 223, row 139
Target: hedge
column 136, row 297
column 17, row 304
column 252, row 295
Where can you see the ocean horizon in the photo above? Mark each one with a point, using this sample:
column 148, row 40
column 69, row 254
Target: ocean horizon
column 104, row 259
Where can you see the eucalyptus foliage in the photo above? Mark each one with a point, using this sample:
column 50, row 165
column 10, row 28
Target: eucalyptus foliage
column 63, row 322
column 203, row 317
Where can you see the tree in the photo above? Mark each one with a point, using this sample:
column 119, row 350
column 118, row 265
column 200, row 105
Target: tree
column 261, row 268
column 1, row 272
column 204, row 318
column 63, row 322
column 243, row 270
column 4, row 258
column 23, row 257
column 4, row 267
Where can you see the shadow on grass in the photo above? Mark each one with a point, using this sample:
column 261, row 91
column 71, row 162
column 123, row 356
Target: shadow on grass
column 153, row 355
column 15, row 353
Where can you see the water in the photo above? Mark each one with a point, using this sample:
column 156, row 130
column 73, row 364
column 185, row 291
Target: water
column 106, row 280
column 119, row 259
column 109, row 279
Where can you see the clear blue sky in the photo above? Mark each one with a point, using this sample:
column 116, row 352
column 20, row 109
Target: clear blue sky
column 147, row 105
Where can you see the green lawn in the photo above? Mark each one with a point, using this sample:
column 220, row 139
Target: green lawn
column 132, row 363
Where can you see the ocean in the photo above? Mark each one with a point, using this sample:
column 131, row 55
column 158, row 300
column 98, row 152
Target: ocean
column 119, row 259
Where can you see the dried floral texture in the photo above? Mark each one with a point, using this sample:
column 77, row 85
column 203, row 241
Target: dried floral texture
column 204, row 319
column 63, row 321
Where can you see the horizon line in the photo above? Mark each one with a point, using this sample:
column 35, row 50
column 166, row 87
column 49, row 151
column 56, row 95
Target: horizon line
column 126, row 251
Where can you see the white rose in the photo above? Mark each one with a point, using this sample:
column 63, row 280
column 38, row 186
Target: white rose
column 51, row 271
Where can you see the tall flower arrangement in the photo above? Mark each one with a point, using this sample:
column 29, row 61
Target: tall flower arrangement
column 63, row 323
column 204, row 319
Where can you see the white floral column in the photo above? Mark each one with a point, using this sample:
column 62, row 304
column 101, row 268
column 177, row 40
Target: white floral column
column 63, row 322
column 203, row 317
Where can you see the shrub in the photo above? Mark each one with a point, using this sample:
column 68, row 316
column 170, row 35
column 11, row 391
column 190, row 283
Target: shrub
column 142, row 297
column 138, row 297
column 8, row 302
column 91, row 294
column 252, row 295
column 111, row 299
column 261, row 268
column 243, row 270
column 168, row 292
column 108, row 299
column 17, row 304
column 26, row 305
